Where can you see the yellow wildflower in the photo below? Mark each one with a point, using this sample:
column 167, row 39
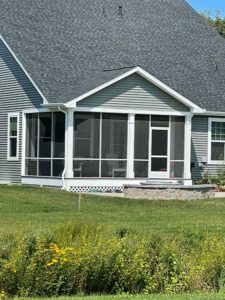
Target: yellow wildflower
column 2, row 294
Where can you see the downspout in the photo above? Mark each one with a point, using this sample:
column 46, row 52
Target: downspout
column 64, row 171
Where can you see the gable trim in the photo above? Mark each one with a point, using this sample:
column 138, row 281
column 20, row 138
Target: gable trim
column 194, row 108
column 24, row 70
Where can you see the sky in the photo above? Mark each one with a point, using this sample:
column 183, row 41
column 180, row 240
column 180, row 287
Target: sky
column 209, row 5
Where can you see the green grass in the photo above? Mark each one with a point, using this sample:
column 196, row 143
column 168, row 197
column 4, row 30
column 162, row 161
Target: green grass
column 143, row 297
column 42, row 210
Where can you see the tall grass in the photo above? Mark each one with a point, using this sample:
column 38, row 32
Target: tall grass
column 88, row 261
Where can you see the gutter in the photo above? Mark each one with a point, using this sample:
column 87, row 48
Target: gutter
column 213, row 113
column 54, row 105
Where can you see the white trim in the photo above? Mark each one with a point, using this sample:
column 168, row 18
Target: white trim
column 42, row 181
column 23, row 151
column 69, row 140
column 149, row 145
column 187, row 147
column 130, row 145
column 214, row 162
column 17, row 116
column 24, row 70
column 130, row 111
column 148, row 77
column 100, row 147
column 91, row 182
column 212, row 113
column 36, row 110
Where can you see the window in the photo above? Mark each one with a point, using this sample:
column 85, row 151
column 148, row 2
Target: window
column 100, row 145
column 45, row 144
column 217, row 141
column 13, row 136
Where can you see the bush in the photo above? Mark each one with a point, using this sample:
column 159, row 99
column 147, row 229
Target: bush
column 90, row 261
column 217, row 180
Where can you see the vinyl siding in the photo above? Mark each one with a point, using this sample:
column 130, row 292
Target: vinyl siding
column 133, row 92
column 16, row 94
column 200, row 147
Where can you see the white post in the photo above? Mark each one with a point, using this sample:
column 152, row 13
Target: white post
column 24, row 138
column 69, row 144
column 130, row 145
column 187, row 148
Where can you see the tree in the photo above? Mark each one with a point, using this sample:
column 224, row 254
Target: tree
column 218, row 23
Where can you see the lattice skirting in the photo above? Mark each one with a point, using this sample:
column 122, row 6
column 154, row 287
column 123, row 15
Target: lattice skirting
column 88, row 189
column 54, row 187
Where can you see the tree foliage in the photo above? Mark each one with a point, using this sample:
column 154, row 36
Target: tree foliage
column 218, row 23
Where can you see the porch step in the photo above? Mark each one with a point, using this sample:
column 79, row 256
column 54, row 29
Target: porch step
column 162, row 182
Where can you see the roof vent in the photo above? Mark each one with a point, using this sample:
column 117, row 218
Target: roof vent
column 104, row 12
column 120, row 10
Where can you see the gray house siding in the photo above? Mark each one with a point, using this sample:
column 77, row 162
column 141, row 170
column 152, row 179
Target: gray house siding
column 133, row 92
column 16, row 94
column 200, row 148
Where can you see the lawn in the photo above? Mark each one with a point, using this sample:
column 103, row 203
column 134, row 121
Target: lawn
column 42, row 210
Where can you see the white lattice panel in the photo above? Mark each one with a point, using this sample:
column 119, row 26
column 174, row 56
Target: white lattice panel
column 88, row 189
column 54, row 187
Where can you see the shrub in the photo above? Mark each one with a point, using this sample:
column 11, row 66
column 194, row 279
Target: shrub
column 91, row 261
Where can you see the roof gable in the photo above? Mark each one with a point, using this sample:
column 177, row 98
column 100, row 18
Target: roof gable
column 132, row 93
column 155, row 87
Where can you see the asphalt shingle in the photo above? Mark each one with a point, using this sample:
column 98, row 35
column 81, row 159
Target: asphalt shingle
column 66, row 44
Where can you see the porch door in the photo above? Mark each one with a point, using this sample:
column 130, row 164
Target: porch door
column 159, row 153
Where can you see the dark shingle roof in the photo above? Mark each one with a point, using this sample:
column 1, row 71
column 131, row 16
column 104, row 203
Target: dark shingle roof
column 64, row 44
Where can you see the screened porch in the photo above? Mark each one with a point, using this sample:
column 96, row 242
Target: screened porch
column 105, row 145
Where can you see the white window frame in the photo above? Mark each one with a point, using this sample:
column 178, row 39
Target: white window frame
column 210, row 141
column 13, row 115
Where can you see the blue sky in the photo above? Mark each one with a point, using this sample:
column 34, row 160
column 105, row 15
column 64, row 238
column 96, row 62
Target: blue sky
column 208, row 5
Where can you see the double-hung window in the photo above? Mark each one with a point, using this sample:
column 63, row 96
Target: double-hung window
column 217, row 141
column 13, row 136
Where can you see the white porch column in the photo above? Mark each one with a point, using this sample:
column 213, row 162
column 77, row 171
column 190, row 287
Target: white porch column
column 69, row 144
column 130, row 145
column 187, row 147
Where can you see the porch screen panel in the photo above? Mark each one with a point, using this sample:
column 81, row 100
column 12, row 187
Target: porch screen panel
column 141, row 146
column 58, row 135
column 86, row 135
column 114, row 145
column 100, row 145
column 177, row 147
column 45, row 135
column 86, row 145
column 32, row 135
column 86, row 168
column 45, row 144
column 114, row 136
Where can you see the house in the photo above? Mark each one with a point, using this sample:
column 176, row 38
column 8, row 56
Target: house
column 97, row 93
